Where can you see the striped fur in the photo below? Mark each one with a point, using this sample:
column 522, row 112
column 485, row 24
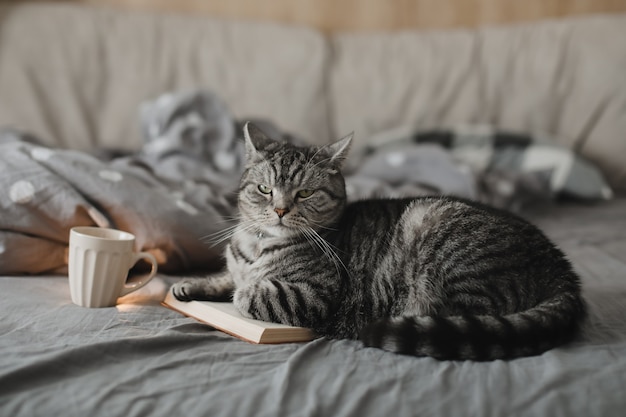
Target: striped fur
column 430, row 276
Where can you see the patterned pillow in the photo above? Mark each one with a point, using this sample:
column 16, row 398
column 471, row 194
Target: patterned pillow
column 485, row 149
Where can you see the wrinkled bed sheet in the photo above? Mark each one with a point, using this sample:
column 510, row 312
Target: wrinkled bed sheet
column 178, row 190
column 142, row 359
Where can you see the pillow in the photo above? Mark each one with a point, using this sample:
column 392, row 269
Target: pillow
column 486, row 149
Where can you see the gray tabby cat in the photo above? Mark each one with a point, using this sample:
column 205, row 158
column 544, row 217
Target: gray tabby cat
column 430, row 276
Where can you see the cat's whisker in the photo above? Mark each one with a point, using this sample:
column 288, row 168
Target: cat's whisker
column 223, row 235
column 321, row 226
column 326, row 248
column 232, row 192
column 229, row 219
column 327, row 243
column 320, row 162
column 224, row 230
column 308, row 164
column 312, row 238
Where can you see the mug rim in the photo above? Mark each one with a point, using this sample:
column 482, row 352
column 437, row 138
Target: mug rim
column 84, row 231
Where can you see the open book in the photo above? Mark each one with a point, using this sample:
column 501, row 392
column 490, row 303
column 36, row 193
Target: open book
column 225, row 317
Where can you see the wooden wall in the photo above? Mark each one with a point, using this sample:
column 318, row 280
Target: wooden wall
column 338, row 15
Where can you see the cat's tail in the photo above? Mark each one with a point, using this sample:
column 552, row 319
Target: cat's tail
column 551, row 323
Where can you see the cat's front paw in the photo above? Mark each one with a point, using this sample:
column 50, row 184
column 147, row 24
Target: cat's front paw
column 213, row 288
column 187, row 289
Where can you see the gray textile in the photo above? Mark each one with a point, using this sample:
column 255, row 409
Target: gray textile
column 180, row 188
column 46, row 192
column 141, row 359
column 508, row 169
column 172, row 194
column 407, row 171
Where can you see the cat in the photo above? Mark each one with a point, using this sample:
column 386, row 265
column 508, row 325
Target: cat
column 428, row 276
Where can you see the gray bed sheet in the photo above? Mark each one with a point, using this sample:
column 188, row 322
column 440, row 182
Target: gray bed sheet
column 142, row 359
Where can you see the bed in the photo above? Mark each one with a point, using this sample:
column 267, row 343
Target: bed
column 134, row 124
column 140, row 358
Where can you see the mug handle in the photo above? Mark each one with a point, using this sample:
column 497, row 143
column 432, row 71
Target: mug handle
column 130, row 287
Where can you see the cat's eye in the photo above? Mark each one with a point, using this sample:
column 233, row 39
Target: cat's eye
column 265, row 189
column 305, row 193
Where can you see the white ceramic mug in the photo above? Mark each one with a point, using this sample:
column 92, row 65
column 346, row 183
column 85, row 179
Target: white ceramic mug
column 98, row 263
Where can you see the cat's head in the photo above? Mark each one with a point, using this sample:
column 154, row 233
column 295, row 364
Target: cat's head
column 289, row 190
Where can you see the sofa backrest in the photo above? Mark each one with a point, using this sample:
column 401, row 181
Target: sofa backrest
column 75, row 76
column 565, row 79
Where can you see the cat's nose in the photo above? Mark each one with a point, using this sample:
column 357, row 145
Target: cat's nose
column 281, row 211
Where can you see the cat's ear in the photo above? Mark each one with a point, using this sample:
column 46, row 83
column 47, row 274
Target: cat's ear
column 255, row 141
column 339, row 150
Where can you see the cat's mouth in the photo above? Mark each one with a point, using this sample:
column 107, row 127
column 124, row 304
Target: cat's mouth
column 281, row 228
column 281, row 222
